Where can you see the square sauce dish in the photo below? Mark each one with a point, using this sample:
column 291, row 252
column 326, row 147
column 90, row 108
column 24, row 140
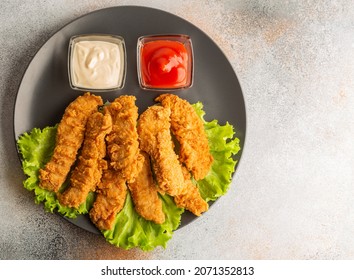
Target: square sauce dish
column 165, row 62
column 97, row 62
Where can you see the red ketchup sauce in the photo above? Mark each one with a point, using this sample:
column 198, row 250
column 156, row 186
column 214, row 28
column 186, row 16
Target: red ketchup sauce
column 164, row 64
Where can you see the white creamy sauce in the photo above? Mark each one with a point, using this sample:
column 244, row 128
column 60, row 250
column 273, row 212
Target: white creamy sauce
column 96, row 65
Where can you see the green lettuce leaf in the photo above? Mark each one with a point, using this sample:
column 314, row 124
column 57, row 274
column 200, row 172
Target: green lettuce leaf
column 131, row 230
column 36, row 148
column 223, row 147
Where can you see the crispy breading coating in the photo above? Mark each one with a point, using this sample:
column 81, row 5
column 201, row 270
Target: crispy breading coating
column 190, row 198
column 88, row 172
column 69, row 138
column 156, row 140
column 110, row 199
column 122, row 142
column 145, row 193
column 188, row 129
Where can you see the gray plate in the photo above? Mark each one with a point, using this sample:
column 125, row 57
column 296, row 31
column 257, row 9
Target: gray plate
column 45, row 92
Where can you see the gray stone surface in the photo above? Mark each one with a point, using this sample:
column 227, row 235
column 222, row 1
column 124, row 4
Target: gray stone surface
column 293, row 194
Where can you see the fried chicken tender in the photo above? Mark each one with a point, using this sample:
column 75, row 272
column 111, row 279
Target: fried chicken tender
column 122, row 142
column 156, row 140
column 145, row 193
column 190, row 198
column 188, row 129
column 69, row 138
column 110, row 199
column 88, row 172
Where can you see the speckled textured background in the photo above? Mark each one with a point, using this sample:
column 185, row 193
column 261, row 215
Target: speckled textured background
column 293, row 194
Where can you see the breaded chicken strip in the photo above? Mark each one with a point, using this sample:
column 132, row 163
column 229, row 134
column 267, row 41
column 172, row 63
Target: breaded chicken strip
column 144, row 193
column 110, row 199
column 122, row 142
column 156, row 140
column 188, row 129
column 88, row 172
column 70, row 135
column 190, row 198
